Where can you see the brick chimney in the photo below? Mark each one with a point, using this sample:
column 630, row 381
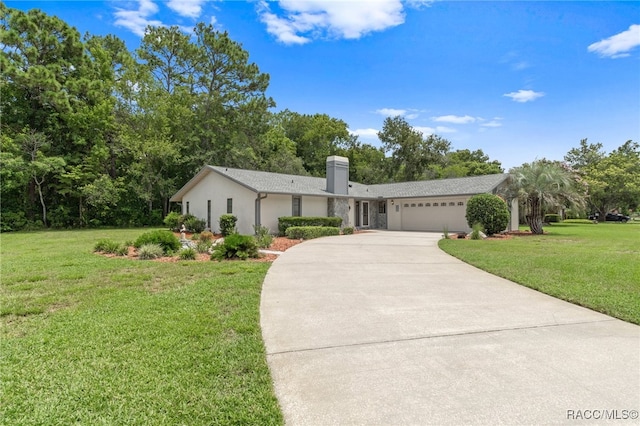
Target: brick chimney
column 338, row 175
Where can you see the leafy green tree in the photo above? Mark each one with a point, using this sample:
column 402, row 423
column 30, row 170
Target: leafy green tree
column 367, row 164
column 613, row 179
column 461, row 163
column 544, row 184
column 413, row 157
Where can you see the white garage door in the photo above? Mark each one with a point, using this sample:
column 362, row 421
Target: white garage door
column 433, row 215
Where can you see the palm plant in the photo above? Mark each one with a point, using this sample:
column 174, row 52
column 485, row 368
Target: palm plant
column 544, row 184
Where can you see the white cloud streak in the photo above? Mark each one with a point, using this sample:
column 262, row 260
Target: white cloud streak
column 299, row 22
column 137, row 20
column 365, row 133
column 391, row 112
column 186, row 8
column 455, row 119
column 524, row 95
column 619, row 45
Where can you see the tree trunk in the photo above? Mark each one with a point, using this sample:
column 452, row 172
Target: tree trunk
column 44, row 206
column 535, row 216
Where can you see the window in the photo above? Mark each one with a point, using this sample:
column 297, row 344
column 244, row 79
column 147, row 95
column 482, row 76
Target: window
column 187, row 207
column 406, row 205
column 420, row 204
column 435, row 204
column 452, row 203
column 209, row 214
column 460, row 203
column 296, row 207
column 427, row 204
column 365, row 213
column 382, row 207
column 229, row 205
column 443, row 204
column 413, row 204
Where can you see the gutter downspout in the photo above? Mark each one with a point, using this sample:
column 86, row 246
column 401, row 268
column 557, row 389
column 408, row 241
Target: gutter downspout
column 258, row 213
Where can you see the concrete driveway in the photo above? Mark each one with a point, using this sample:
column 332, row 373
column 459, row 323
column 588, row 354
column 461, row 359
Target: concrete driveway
column 383, row 328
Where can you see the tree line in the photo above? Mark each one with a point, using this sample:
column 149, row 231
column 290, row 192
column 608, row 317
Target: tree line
column 93, row 134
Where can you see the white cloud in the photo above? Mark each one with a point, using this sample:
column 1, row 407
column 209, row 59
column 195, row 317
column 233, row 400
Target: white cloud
column 302, row 21
column 391, row 112
column 426, row 131
column 455, row 119
column 493, row 123
column 618, row 46
column 365, row 133
column 524, row 95
column 186, row 8
column 137, row 20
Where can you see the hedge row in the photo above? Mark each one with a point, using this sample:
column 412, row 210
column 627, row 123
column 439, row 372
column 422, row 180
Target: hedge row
column 287, row 222
column 310, row 232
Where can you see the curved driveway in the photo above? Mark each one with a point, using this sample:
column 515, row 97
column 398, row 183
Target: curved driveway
column 383, row 328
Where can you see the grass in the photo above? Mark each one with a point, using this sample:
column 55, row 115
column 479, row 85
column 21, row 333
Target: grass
column 88, row 339
column 596, row 266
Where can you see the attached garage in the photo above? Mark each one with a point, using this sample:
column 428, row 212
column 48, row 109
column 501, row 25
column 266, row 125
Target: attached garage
column 433, row 214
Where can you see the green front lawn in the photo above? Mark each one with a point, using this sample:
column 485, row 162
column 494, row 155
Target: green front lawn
column 88, row 339
column 597, row 266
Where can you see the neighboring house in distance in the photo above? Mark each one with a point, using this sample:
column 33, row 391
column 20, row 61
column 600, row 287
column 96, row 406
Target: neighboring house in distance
column 260, row 198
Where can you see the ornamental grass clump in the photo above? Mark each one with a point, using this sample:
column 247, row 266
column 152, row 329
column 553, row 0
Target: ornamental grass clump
column 108, row 246
column 187, row 254
column 476, row 233
column 263, row 236
column 150, row 251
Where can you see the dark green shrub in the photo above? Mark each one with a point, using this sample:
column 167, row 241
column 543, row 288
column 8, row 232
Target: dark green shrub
column 263, row 236
column 236, row 246
column 310, row 232
column 193, row 224
column 286, row 222
column 187, row 254
column 552, row 218
column 172, row 221
column 164, row 239
column 12, row 221
column 150, row 251
column 347, row 230
column 489, row 210
column 227, row 224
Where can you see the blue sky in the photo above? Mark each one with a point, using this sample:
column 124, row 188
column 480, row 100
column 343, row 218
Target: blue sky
column 519, row 80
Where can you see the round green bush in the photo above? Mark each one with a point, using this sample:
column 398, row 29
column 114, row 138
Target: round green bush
column 488, row 210
column 172, row 221
column 164, row 239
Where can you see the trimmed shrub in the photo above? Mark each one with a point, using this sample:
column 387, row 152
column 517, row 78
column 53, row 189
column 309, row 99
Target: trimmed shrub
column 263, row 237
column 227, row 224
column 552, row 218
column 150, row 251
column 195, row 237
column 287, row 222
column 347, row 230
column 165, row 239
column 172, row 221
column 490, row 211
column 206, row 236
column 187, row 254
column 193, row 224
column 310, row 232
column 236, row 246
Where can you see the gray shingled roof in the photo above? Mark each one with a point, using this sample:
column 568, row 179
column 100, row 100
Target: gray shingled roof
column 277, row 183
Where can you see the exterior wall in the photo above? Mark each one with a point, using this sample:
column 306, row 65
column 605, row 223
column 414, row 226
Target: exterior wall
column 378, row 220
column 339, row 207
column 276, row 205
column 217, row 189
column 394, row 215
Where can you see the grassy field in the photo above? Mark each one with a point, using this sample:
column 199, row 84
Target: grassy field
column 597, row 266
column 87, row 339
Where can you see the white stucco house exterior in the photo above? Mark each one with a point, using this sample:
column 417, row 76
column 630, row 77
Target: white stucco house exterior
column 260, row 198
